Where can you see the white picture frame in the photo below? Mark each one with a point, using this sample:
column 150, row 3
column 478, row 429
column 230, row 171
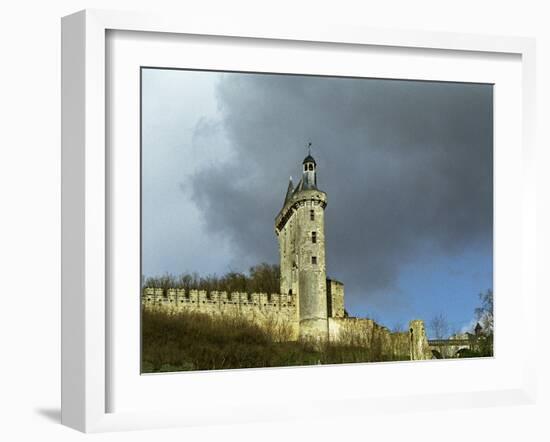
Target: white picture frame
column 85, row 211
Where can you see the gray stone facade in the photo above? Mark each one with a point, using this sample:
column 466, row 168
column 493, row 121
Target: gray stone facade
column 300, row 230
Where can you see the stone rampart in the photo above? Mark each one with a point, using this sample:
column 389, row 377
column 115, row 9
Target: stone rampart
column 218, row 301
column 277, row 312
column 335, row 299
column 385, row 345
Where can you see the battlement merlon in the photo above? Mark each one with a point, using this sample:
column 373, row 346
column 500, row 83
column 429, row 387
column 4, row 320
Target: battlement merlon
column 298, row 199
column 152, row 295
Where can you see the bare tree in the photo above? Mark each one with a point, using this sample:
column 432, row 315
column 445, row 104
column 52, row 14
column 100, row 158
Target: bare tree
column 265, row 278
column 484, row 313
column 439, row 326
column 398, row 328
column 261, row 278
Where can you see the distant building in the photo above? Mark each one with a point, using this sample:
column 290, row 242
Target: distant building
column 478, row 329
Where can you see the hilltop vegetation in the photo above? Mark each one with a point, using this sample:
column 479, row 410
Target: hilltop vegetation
column 263, row 278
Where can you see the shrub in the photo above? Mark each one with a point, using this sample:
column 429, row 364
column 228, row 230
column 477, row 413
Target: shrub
column 196, row 341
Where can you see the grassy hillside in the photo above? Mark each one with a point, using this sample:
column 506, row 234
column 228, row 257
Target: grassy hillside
column 195, row 341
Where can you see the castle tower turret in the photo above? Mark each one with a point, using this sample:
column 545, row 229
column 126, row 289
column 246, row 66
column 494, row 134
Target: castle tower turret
column 300, row 228
column 309, row 174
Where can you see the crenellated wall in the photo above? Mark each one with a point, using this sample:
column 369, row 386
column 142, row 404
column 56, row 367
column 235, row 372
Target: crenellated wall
column 278, row 313
column 275, row 311
column 221, row 302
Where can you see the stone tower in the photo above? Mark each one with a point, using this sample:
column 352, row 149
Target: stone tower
column 300, row 229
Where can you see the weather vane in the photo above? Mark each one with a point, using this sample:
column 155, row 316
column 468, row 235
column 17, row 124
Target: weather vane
column 309, row 148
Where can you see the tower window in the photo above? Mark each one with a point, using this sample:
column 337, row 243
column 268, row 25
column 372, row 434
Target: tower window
column 312, row 215
column 314, row 237
column 305, row 167
column 311, row 167
column 314, row 260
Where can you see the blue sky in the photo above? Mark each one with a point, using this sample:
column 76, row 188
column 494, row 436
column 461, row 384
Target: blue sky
column 407, row 167
column 440, row 285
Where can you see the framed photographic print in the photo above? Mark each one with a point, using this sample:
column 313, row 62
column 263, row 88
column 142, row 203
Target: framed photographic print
column 391, row 267
column 259, row 289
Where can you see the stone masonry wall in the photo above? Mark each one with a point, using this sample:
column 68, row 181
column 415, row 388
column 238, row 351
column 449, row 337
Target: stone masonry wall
column 420, row 348
column 335, row 298
column 277, row 312
column 301, row 235
column 384, row 344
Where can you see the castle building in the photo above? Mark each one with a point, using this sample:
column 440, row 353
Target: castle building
column 300, row 229
column 309, row 306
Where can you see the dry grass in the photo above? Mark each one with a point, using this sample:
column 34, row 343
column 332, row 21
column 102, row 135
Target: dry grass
column 195, row 341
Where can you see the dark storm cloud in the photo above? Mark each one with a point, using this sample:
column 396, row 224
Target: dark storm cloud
column 407, row 167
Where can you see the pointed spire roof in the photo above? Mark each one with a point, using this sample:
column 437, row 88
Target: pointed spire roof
column 290, row 190
column 309, row 159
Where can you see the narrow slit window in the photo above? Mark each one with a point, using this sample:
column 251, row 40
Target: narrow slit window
column 312, row 215
column 314, row 237
column 314, row 260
